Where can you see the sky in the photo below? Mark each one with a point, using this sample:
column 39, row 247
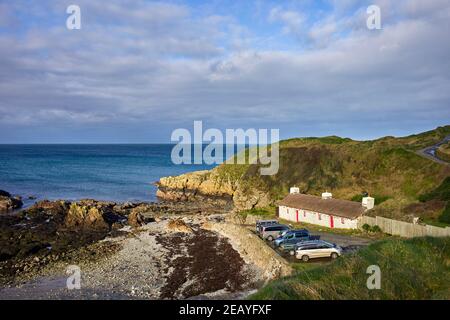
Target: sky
column 137, row 70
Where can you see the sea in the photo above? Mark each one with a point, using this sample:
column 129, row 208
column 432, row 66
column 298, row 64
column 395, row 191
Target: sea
column 104, row 172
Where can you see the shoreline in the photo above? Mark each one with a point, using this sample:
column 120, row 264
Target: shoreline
column 135, row 245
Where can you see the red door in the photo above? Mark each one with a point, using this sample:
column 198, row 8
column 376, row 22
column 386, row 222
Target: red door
column 297, row 215
column 331, row 222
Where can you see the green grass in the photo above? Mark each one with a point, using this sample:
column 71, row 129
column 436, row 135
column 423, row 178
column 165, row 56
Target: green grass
column 445, row 215
column 442, row 193
column 387, row 168
column 378, row 198
column 416, row 268
column 263, row 212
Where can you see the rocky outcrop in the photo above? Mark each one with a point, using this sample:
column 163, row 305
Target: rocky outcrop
column 193, row 186
column 209, row 186
column 82, row 216
column 178, row 225
column 8, row 202
column 136, row 219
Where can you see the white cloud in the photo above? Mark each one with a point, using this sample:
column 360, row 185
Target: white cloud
column 161, row 64
column 292, row 20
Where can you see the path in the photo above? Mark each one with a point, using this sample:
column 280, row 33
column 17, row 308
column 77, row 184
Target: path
column 430, row 152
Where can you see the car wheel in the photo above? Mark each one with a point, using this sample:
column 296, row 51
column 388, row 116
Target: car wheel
column 292, row 252
column 270, row 238
column 305, row 258
column 334, row 255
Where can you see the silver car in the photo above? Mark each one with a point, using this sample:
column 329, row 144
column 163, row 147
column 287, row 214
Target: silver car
column 317, row 249
column 262, row 223
column 272, row 232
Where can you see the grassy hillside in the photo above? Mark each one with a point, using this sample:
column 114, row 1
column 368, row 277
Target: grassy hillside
column 388, row 168
column 443, row 151
column 410, row 269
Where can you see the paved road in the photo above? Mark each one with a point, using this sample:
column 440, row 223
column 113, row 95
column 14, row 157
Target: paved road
column 430, row 152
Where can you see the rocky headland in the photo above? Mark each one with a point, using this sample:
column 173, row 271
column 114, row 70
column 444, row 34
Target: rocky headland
column 215, row 187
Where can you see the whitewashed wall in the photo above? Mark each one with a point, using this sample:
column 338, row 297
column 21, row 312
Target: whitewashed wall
column 320, row 219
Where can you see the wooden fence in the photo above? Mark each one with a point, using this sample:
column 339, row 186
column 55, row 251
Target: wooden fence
column 403, row 229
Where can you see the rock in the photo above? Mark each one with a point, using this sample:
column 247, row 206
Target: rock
column 48, row 208
column 211, row 186
column 178, row 225
column 85, row 215
column 9, row 203
column 136, row 219
column 192, row 186
column 5, row 194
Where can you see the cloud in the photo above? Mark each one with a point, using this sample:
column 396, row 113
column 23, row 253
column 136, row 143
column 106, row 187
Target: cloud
column 292, row 20
column 146, row 64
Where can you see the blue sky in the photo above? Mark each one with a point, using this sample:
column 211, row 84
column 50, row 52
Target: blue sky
column 137, row 70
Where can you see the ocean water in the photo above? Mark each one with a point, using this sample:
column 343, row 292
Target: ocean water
column 103, row 172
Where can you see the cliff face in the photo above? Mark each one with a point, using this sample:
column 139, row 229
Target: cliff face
column 387, row 168
column 211, row 186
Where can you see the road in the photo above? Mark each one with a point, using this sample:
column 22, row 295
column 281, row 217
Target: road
column 430, row 152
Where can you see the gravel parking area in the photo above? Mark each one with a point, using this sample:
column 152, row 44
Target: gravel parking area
column 348, row 243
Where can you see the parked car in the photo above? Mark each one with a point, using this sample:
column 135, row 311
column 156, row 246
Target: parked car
column 290, row 245
column 272, row 232
column 317, row 249
column 263, row 223
column 290, row 235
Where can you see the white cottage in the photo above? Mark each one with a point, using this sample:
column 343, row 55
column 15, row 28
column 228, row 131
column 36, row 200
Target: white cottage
column 324, row 211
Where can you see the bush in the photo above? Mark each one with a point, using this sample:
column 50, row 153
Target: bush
column 376, row 229
column 445, row 216
column 440, row 193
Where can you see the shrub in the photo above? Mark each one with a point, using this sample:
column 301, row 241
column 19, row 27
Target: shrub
column 376, row 229
column 440, row 193
column 445, row 216
column 368, row 228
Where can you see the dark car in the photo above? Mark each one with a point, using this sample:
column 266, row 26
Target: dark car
column 291, row 235
column 289, row 245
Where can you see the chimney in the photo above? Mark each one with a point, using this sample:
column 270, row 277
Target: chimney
column 368, row 202
column 327, row 195
column 294, row 190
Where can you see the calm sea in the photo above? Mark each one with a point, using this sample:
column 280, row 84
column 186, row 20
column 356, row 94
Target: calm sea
column 104, row 172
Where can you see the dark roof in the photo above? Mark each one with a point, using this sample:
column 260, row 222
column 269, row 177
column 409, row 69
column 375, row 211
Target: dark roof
column 336, row 207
